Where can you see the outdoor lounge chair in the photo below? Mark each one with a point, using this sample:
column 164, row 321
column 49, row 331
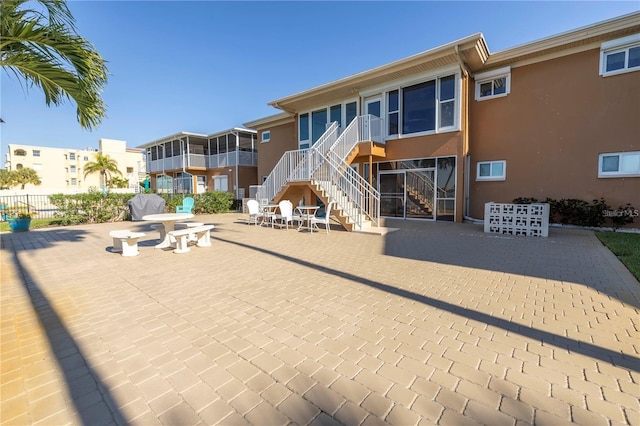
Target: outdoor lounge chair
column 322, row 220
column 254, row 211
column 187, row 205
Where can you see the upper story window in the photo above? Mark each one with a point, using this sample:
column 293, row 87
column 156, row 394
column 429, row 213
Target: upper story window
column 72, row 169
column 493, row 84
column 72, row 156
column 20, row 153
column 265, row 136
column 491, row 170
column 429, row 106
column 312, row 124
column 620, row 56
column 36, row 153
column 619, row 164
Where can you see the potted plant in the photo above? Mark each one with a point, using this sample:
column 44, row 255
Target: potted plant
column 20, row 222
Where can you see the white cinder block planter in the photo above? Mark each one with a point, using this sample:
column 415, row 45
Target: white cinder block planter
column 517, row 219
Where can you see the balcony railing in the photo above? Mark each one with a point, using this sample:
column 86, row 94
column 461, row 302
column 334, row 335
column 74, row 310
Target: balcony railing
column 226, row 159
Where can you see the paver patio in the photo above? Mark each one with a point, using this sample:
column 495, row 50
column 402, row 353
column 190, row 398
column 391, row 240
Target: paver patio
column 435, row 323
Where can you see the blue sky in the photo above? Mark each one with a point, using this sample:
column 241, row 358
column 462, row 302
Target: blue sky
column 207, row 66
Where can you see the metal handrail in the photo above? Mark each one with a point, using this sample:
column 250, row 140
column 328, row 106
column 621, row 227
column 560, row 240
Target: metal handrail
column 325, row 164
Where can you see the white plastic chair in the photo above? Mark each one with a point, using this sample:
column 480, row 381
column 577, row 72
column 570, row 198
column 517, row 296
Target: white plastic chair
column 285, row 214
column 314, row 221
column 254, row 211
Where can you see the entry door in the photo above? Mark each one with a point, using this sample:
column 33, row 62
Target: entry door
column 372, row 106
column 407, row 194
column 202, row 184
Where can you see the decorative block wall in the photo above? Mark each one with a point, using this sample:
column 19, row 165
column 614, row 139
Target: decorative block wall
column 517, row 219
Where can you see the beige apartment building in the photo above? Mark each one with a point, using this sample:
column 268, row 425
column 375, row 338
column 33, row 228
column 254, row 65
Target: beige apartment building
column 61, row 170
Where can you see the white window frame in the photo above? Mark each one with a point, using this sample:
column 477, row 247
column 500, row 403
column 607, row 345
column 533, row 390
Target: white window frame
column 617, row 174
column 490, row 76
column 491, row 177
column 616, row 46
column 265, row 136
column 304, row 144
column 221, row 183
column 400, row 85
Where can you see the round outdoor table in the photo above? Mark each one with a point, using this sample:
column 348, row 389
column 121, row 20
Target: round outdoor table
column 168, row 222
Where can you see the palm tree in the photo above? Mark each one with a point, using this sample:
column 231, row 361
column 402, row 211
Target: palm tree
column 40, row 46
column 104, row 165
column 24, row 176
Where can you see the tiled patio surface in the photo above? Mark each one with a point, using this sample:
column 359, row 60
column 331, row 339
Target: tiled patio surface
column 434, row 323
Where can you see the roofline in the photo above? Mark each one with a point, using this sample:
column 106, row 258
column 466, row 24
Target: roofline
column 234, row 129
column 556, row 40
column 269, row 119
column 171, row 137
column 380, row 69
column 198, row 135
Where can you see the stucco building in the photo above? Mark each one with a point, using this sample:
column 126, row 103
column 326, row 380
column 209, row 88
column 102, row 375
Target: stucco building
column 61, row 170
column 438, row 134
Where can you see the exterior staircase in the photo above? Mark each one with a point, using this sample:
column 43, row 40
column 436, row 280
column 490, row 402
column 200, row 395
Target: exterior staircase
column 324, row 169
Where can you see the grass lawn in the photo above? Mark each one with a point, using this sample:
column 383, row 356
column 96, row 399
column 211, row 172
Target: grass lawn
column 626, row 246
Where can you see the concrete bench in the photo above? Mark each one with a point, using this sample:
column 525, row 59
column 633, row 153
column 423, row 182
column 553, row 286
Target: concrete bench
column 126, row 242
column 179, row 225
column 200, row 234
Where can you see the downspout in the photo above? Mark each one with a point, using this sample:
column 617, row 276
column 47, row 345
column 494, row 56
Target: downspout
column 465, row 138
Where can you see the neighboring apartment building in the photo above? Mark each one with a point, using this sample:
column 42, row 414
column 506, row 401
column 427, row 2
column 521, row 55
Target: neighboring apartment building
column 193, row 163
column 440, row 133
column 61, row 170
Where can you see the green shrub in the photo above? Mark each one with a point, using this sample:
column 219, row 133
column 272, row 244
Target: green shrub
column 92, row 207
column 572, row 211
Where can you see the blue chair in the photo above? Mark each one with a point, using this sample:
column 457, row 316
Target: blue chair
column 187, row 205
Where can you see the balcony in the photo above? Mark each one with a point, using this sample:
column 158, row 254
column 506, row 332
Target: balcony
column 201, row 161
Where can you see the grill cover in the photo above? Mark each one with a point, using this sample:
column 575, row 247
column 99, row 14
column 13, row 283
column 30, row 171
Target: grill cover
column 143, row 204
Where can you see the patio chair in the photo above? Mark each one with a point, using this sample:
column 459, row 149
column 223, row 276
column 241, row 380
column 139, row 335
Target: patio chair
column 187, row 205
column 322, row 220
column 254, row 211
column 285, row 214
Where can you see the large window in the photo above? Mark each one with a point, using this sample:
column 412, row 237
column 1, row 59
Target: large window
column 428, row 106
column 419, row 107
column 493, row 84
column 313, row 124
column 619, row 164
column 620, row 56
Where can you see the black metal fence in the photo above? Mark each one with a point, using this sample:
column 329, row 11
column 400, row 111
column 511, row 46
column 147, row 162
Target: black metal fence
column 38, row 205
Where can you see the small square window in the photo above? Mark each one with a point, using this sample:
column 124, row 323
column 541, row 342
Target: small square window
column 36, row 153
column 493, row 84
column 491, row 170
column 265, row 136
column 619, row 164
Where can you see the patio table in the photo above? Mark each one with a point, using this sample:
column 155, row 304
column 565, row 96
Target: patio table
column 306, row 214
column 268, row 211
column 168, row 221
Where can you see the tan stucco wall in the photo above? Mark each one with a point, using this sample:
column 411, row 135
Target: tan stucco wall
column 559, row 116
column 283, row 138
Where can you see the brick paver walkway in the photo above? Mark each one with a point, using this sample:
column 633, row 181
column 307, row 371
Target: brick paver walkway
column 435, row 323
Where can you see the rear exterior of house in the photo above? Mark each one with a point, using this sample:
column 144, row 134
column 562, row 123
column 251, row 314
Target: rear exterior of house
column 192, row 163
column 438, row 134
